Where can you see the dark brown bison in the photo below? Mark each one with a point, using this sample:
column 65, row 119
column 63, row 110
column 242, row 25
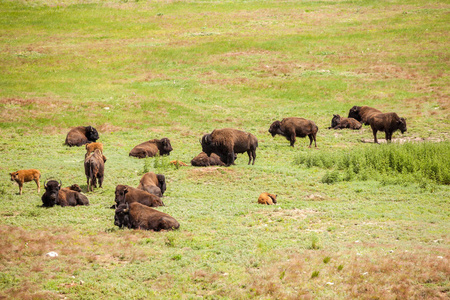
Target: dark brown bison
column 153, row 183
column 22, row 176
column 362, row 113
column 94, row 168
column 69, row 197
column 81, row 135
column 128, row 194
column 293, row 127
column 138, row 216
column 152, row 148
column 389, row 123
column 50, row 197
column 203, row 160
column 339, row 123
column 266, row 198
column 227, row 142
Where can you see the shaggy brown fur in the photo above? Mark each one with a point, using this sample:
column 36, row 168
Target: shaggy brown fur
column 389, row 123
column 227, row 142
column 22, row 176
column 153, row 183
column 203, row 160
column 152, row 148
column 94, row 168
column 295, row 127
column 362, row 113
column 340, row 123
column 138, row 216
column 50, row 197
column 91, row 148
column 68, row 197
column 128, row 194
column 81, row 135
column 266, row 198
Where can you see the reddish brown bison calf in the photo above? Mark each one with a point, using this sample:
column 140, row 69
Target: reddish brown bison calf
column 389, row 123
column 227, row 142
column 266, row 198
column 340, row 123
column 138, row 216
column 292, row 127
column 22, row 176
column 81, row 135
column 152, row 148
column 91, row 147
column 153, row 183
column 203, row 160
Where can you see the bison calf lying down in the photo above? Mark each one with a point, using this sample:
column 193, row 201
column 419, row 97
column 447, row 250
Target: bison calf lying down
column 94, row 168
column 153, row 183
column 69, row 196
column 293, row 127
column 128, row 194
column 138, row 216
column 266, row 198
column 389, row 123
column 227, row 142
column 152, row 148
column 339, row 123
column 22, row 176
column 362, row 113
column 203, row 160
column 81, row 135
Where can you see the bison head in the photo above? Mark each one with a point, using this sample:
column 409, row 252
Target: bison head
column 165, row 146
column 121, row 191
column 336, row 120
column 161, row 182
column 50, row 197
column 14, row 176
column 354, row 113
column 122, row 215
column 207, row 144
column 275, row 128
column 91, row 133
column 402, row 125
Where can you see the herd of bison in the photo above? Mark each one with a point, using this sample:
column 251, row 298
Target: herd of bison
column 134, row 206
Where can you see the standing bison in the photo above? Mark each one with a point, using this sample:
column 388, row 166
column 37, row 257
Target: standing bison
column 339, row 123
column 389, row 123
column 227, row 142
column 22, row 176
column 293, row 127
column 94, row 168
column 81, row 135
column 362, row 113
column 153, row 183
column 152, row 148
column 138, row 216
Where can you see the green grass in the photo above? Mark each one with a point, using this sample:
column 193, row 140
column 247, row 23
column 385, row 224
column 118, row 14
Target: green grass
column 353, row 220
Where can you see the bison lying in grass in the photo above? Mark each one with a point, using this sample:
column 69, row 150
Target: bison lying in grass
column 389, row 123
column 340, row 123
column 81, row 135
column 152, row 148
column 128, row 194
column 268, row 199
column 69, row 196
column 138, row 216
column 153, row 183
column 203, row 160
column 22, row 176
column 227, row 142
column 295, row 127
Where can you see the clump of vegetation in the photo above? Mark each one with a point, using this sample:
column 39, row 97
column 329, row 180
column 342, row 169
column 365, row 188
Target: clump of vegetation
column 409, row 162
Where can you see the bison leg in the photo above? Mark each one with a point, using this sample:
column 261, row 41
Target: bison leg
column 375, row 136
column 38, row 185
column 230, row 158
column 100, row 181
column 249, row 156
column 254, row 156
column 311, row 139
column 292, row 139
column 20, row 187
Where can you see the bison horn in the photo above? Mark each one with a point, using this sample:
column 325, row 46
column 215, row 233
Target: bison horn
column 127, row 209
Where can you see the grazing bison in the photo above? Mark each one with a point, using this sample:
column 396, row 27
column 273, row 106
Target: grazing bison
column 22, row 176
column 69, row 197
column 266, row 198
column 128, row 194
column 203, row 160
column 153, row 183
column 362, row 113
column 293, row 127
column 138, row 216
column 50, row 197
column 91, row 148
column 94, row 168
column 152, row 148
column 339, row 123
column 81, row 135
column 389, row 123
column 227, row 142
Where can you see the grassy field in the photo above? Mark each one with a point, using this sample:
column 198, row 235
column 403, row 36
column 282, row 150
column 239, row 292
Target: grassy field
column 353, row 219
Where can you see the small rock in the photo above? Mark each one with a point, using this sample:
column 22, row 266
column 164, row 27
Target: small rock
column 52, row 254
column 330, row 283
